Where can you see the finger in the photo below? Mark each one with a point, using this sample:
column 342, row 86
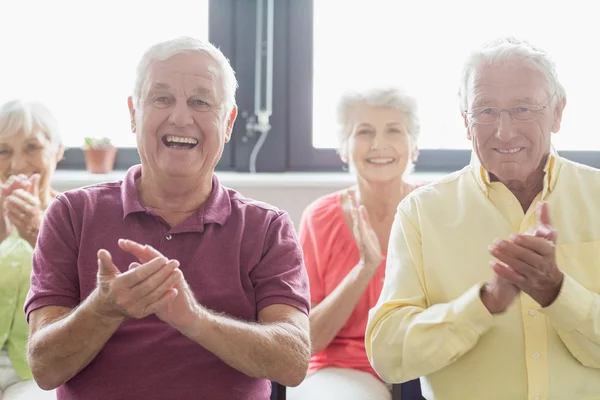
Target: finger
column 539, row 245
column 519, row 266
column 16, row 215
column 519, row 252
column 167, row 284
column 506, row 272
column 134, row 276
column 543, row 214
column 34, row 188
column 154, row 281
column 105, row 264
column 134, row 265
column 17, row 200
column 365, row 217
column 544, row 222
column 144, row 253
column 163, row 302
column 25, row 196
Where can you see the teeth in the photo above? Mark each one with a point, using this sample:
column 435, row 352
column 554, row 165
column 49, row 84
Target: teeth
column 178, row 139
column 380, row 160
column 510, row 151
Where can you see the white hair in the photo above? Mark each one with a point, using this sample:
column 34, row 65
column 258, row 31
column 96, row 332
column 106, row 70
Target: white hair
column 393, row 98
column 509, row 49
column 28, row 117
column 164, row 50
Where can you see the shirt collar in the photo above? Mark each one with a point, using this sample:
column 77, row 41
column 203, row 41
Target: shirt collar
column 216, row 209
column 551, row 169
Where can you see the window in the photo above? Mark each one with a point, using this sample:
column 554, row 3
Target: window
column 422, row 46
column 79, row 58
column 419, row 47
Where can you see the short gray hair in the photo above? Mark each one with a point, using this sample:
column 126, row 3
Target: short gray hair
column 393, row 98
column 28, row 117
column 507, row 49
column 164, row 50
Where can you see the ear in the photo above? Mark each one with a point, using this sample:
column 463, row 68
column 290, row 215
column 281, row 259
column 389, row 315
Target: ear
column 466, row 122
column 60, row 153
column 343, row 152
column 415, row 154
column 230, row 121
column 132, row 114
column 558, row 113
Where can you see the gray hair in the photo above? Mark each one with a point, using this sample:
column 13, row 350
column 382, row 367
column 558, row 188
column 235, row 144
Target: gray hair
column 393, row 98
column 164, row 50
column 28, row 116
column 510, row 49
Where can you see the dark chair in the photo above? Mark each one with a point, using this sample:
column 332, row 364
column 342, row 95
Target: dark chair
column 407, row 391
column 410, row 390
column 277, row 391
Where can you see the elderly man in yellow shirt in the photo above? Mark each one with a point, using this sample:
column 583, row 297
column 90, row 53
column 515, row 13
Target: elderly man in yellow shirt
column 482, row 298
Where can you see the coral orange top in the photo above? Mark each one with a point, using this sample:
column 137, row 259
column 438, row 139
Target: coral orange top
column 330, row 252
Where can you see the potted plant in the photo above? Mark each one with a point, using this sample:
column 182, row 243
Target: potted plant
column 99, row 154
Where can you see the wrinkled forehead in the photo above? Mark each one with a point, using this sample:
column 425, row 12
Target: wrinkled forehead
column 185, row 73
column 506, row 83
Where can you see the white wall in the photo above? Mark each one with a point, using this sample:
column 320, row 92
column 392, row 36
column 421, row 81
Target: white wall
column 289, row 191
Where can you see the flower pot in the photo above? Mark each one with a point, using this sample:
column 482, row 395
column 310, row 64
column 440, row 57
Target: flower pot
column 100, row 161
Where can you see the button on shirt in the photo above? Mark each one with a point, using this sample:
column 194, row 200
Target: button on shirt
column 430, row 322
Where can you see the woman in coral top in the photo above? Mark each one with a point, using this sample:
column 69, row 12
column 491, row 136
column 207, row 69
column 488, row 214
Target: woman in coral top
column 345, row 236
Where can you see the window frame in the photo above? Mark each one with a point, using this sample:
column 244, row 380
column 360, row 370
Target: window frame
column 288, row 146
column 304, row 157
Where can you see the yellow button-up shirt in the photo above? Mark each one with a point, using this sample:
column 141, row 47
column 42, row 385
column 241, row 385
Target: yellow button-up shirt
column 15, row 270
column 430, row 321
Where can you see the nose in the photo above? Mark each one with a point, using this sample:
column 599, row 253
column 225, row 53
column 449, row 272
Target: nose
column 18, row 165
column 181, row 115
column 505, row 127
column 378, row 142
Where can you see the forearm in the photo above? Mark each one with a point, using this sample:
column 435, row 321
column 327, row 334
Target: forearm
column 279, row 352
column 405, row 342
column 328, row 317
column 68, row 343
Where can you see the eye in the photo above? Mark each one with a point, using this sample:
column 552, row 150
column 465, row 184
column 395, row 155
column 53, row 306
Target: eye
column 162, row 100
column 31, row 147
column 363, row 132
column 522, row 109
column 4, row 153
column 395, row 130
column 487, row 111
column 198, row 103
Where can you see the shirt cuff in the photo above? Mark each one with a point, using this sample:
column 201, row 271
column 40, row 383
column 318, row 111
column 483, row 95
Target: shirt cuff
column 474, row 319
column 572, row 306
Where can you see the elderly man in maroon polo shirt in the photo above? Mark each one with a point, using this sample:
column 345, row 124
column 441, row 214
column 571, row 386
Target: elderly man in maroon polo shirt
column 207, row 296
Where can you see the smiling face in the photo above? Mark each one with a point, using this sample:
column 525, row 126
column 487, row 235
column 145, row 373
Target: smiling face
column 181, row 124
column 379, row 148
column 512, row 150
column 29, row 153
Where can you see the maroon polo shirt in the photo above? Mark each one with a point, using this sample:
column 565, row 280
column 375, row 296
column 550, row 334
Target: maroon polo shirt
column 238, row 256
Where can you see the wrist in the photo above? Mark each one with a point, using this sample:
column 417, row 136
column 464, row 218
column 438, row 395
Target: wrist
column 198, row 318
column 489, row 300
column 96, row 307
column 547, row 297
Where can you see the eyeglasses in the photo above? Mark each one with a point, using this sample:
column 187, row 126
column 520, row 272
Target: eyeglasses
column 490, row 115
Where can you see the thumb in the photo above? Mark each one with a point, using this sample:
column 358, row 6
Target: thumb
column 105, row 264
column 543, row 214
column 34, row 188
